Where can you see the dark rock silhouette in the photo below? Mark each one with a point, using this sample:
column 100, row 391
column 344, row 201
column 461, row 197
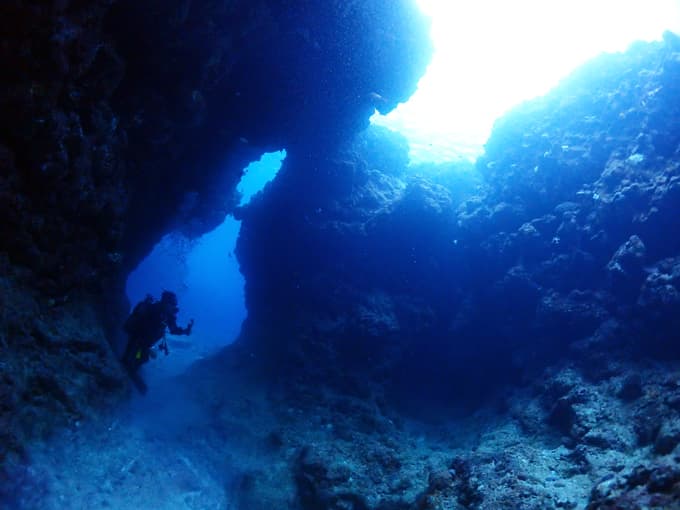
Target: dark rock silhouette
column 542, row 284
column 501, row 278
column 122, row 121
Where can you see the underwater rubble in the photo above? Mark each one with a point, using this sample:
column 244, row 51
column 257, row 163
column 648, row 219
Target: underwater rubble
column 122, row 121
column 543, row 282
column 453, row 336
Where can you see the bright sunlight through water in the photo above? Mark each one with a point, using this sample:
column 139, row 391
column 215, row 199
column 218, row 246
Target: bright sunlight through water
column 493, row 54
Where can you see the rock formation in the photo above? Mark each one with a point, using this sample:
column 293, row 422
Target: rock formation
column 539, row 288
column 125, row 120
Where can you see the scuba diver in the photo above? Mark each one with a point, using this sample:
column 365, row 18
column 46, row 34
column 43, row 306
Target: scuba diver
column 147, row 325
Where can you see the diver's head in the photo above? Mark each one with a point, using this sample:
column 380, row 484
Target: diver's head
column 169, row 299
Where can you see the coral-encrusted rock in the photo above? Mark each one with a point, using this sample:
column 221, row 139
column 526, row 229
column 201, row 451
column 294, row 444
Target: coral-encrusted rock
column 664, row 479
column 573, row 316
column 57, row 367
column 562, row 415
column 655, row 486
column 646, row 422
column 659, row 306
column 534, row 261
column 440, row 480
column 668, row 436
column 661, row 291
column 625, row 269
column 122, row 121
column 630, row 388
column 62, row 190
column 221, row 83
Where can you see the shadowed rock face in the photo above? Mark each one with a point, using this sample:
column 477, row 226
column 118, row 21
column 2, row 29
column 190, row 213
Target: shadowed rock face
column 358, row 270
column 124, row 119
column 211, row 85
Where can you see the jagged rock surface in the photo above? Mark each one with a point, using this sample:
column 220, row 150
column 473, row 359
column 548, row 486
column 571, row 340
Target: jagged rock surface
column 370, row 289
column 124, row 120
column 570, row 229
column 560, row 250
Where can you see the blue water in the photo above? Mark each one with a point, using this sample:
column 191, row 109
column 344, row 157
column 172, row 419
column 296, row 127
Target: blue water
column 204, row 273
column 258, row 174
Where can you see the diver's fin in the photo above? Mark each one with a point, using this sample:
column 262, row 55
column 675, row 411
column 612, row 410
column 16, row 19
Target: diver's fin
column 138, row 382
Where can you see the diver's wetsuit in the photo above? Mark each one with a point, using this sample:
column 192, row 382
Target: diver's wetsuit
column 145, row 326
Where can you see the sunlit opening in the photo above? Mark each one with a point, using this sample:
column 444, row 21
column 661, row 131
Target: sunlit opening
column 258, row 173
column 493, row 54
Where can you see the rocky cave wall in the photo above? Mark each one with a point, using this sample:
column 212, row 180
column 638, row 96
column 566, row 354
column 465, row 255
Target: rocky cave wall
column 123, row 120
column 360, row 272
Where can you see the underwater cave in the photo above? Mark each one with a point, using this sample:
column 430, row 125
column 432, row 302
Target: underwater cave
column 204, row 274
column 398, row 255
